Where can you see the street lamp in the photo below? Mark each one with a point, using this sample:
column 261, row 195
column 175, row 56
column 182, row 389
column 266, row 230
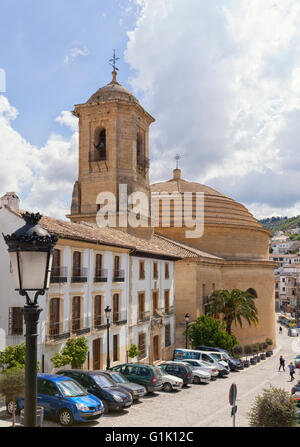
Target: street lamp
column 107, row 316
column 31, row 250
column 187, row 320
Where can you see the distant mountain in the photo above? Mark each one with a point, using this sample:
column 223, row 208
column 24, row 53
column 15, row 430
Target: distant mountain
column 280, row 223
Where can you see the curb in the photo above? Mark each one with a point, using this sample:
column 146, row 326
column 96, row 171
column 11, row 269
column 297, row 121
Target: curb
column 275, row 352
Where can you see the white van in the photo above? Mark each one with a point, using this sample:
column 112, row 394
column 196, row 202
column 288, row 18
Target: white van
column 182, row 354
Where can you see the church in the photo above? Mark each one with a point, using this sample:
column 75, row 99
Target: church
column 232, row 252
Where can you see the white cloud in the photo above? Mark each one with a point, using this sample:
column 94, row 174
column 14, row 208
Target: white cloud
column 222, row 80
column 73, row 53
column 43, row 177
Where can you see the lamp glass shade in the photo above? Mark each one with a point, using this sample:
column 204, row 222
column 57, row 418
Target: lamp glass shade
column 107, row 312
column 32, row 271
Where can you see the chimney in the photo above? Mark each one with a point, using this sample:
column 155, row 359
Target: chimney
column 11, row 200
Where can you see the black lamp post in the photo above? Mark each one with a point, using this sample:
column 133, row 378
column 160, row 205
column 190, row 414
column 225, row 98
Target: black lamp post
column 187, row 320
column 31, row 250
column 107, row 316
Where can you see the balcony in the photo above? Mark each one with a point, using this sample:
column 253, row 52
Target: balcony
column 56, row 332
column 101, row 276
column 79, row 275
column 142, row 275
column 99, row 155
column 169, row 310
column 143, row 316
column 80, row 326
column 158, row 312
column 118, row 276
column 119, row 318
column 167, row 275
column 99, row 323
column 59, row 275
column 155, row 275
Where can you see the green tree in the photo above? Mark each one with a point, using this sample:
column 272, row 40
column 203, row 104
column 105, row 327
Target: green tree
column 133, row 351
column 210, row 332
column 74, row 353
column 13, row 357
column 233, row 307
column 274, row 408
column 12, row 385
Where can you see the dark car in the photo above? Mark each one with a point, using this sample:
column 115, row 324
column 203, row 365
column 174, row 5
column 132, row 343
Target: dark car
column 134, row 389
column 234, row 364
column 147, row 375
column 113, row 396
column 178, row 370
column 296, row 388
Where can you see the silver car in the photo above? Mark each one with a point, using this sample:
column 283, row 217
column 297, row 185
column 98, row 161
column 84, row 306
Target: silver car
column 170, row 382
column 134, row 389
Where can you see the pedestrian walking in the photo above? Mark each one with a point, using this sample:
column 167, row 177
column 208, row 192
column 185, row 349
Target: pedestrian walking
column 281, row 363
column 292, row 370
column 280, row 330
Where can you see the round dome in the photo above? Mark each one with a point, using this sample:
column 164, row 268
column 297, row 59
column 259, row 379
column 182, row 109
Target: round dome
column 230, row 230
column 112, row 91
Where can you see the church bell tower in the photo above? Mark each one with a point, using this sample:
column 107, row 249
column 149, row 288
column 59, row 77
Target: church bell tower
column 113, row 148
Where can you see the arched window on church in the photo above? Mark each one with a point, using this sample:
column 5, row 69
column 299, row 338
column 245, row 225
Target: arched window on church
column 100, row 145
column 252, row 292
column 141, row 161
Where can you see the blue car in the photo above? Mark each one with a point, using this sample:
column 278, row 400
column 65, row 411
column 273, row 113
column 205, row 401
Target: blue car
column 63, row 399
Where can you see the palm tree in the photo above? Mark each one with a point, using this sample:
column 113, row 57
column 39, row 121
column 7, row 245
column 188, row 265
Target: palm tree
column 233, row 306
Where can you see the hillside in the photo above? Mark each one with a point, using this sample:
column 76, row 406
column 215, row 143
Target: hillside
column 280, row 223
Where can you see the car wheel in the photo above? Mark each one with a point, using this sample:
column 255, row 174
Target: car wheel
column 10, row 405
column 65, row 417
column 105, row 407
column 197, row 380
column 167, row 387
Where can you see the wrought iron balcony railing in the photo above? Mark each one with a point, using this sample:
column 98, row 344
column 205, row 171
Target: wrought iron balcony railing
column 59, row 275
column 118, row 276
column 99, row 322
column 80, row 326
column 57, row 331
column 119, row 318
column 100, row 276
column 169, row 310
column 79, row 275
column 143, row 316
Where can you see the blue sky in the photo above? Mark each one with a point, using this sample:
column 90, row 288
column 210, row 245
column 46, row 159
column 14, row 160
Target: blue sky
column 221, row 78
column 38, row 35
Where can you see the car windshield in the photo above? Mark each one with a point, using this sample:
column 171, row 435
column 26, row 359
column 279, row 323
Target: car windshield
column 118, row 377
column 215, row 357
column 103, row 381
column 69, row 388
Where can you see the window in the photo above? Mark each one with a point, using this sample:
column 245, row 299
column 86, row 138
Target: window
column 47, row 388
column 142, row 270
column 98, row 268
column 100, row 145
column 167, row 300
column 76, row 313
column 16, row 321
column 141, row 306
column 168, row 335
column 154, row 301
column 252, row 292
column 115, row 348
column 116, row 307
column 98, row 317
column 155, row 270
column 142, row 346
column 54, row 317
column 167, row 273
column 76, row 263
column 55, row 271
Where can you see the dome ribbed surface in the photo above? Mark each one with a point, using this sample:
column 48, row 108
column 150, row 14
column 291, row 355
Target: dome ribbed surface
column 112, row 91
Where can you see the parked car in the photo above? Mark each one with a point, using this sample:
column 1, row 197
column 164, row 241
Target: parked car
column 296, row 388
column 64, row 399
column 296, row 398
column 292, row 332
column 134, row 389
column 113, row 396
column 170, row 382
column 234, row 364
column 297, row 361
column 178, row 369
column 183, row 354
column 204, row 366
column 147, row 375
column 199, row 376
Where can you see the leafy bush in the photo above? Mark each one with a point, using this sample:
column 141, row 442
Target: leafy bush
column 210, row 332
column 269, row 341
column 74, row 353
column 12, row 385
column 133, row 351
column 13, row 357
column 247, row 350
column 274, row 408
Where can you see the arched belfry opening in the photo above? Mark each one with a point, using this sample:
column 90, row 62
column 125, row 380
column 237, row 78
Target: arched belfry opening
column 100, row 144
column 141, row 161
column 252, row 292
